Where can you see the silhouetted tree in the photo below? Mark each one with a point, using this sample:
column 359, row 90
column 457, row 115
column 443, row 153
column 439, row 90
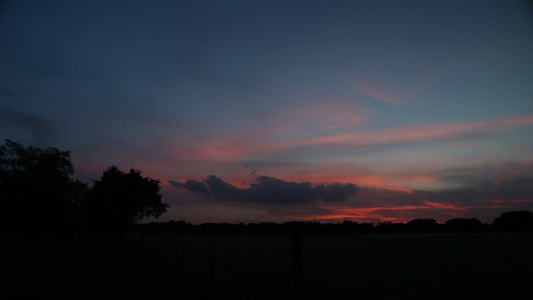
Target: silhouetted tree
column 463, row 225
column 422, row 226
column 389, row 227
column 119, row 199
column 514, row 221
column 36, row 191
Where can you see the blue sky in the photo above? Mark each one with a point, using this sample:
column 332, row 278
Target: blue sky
column 425, row 106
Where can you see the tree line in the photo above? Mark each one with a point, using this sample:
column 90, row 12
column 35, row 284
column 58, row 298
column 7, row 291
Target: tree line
column 38, row 194
column 512, row 221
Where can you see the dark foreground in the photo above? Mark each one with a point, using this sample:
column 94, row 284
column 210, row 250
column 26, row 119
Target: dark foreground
column 407, row 266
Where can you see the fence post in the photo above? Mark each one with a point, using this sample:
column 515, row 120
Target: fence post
column 297, row 264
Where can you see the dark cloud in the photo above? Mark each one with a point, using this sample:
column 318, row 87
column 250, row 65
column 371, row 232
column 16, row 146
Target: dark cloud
column 191, row 184
column 270, row 190
column 218, row 187
column 195, row 185
column 336, row 191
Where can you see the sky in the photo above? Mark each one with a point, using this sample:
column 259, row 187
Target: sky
column 273, row 111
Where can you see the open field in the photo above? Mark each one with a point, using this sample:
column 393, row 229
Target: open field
column 409, row 266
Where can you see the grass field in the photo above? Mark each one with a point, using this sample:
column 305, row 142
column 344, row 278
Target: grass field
column 410, row 266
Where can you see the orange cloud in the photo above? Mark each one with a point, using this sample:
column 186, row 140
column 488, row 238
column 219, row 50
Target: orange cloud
column 339, row 213
column 403, row 213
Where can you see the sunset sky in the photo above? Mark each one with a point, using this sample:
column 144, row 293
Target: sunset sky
column 251, row 111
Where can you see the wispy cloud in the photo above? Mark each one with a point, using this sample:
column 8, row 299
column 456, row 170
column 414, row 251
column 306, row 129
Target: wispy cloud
column 344, row 157
column 413, row 133
column 241, row 145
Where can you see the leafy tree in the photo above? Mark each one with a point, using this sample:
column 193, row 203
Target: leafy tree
column 514, row 221
column 463, row 225
column 119, row 199
column 422, row 226
column 36, row 191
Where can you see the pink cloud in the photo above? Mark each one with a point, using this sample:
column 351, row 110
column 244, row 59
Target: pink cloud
column 250, row 143
column 412, row 133
column 227, row 154
column 224, row 151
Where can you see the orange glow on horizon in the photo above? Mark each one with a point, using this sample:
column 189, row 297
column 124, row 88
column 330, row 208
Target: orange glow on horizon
column 340, row 213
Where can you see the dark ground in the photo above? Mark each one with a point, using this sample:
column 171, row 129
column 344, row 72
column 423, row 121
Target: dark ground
column 403, row 266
